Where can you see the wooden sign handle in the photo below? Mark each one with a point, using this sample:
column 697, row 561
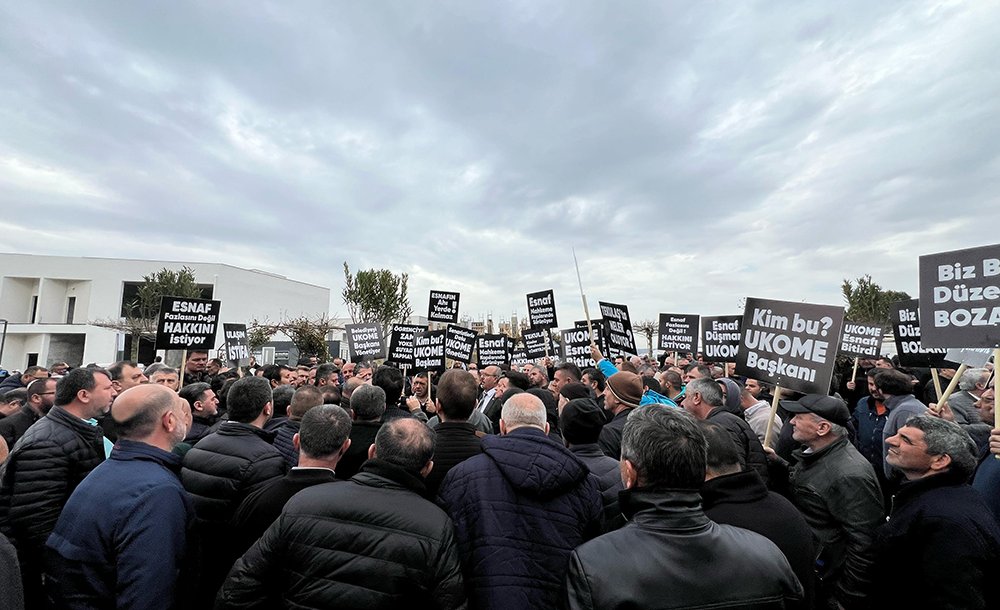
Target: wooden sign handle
column 770, row 420
column 954, row 383
column 937, row 384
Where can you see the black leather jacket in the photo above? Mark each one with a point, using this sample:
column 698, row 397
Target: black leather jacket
column 672, row 555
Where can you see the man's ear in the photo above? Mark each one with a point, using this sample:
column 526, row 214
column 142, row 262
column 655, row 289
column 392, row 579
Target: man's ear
column 940, row 463
column 295, row 441
column 503, row 428
column 371, row 451
column 426, row 470
column 345, row 447
column 628, row 473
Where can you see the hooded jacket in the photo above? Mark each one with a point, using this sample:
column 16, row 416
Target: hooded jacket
column 519, row 509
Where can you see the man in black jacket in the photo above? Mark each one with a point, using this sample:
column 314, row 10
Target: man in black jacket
column 222, row 469
column 373, row 542
column 46, row 465
column 581, row 422
column 457, row 439
column 41, row 395
column 368, row 405
column 658, row 559
column 204, row 410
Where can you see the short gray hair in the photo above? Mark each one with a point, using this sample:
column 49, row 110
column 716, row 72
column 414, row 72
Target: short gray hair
column 523, row 409
column 666, row 446
column 971, row 378
column 710, row 390
column 947, row 438
column 368, row 402
column 405, row 442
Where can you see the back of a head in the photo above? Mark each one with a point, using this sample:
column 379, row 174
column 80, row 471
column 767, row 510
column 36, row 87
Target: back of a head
column 247, row 398
column 116, row 369
column 193, row 392
column 666, row 447
column 708, row 388
column 305, row 398
column 282, row 397
column 574, row 390
column 368, row 402
column 570, row 369
column 323, row 431
column 673, row 379
column 137, row 411
column 331, row 395
column 390, row 379
column 405, row 442
column 581, row 421
column 521, row 410
column 70, row 384
column 722, row 457
column 893, row 383
column 17, row 395
column 518, row 380
column 971, row 378
column 457, row 392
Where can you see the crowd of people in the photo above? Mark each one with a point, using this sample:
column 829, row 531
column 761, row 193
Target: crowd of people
column 635, row 483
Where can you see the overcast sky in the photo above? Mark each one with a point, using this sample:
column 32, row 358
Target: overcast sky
column 693, row 153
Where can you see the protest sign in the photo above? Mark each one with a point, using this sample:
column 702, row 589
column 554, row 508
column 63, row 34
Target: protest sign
column 443, row 306
column 576, row 347
column 535, row 343
column 960, row 298
column 973, row 358
column 459, row 343
column 542, row 309
column 401, row 343
column 861, row 340
column 428, row 351
column 908, row 336
column 600, row 333
column 365, row 341
column 237, row 348
column 789, row 344
column 187, row 323
column 720, row 337
column 678, row 332
column 519, row 357
column 493, row 350
column 619, row 328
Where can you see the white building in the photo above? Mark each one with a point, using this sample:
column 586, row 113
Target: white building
column 48, row 301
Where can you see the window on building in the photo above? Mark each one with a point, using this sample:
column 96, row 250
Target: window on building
column 70, row 309
column 34, row 309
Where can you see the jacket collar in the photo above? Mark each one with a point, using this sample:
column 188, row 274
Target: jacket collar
column 127, row 450
column 809, row 458
column 664, row 509
column 910, row 490
column 65, row 417
column 739, row 487
column 376, row 473
column 587, row 450
column 235, row 428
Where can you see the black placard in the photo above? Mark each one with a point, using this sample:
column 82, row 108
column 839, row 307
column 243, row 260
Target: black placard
column 600, row 333
column 542, row 309
column 861, row 340
column 237, row 347
column 365, row 341
column 576, row 347
column 428, row 351
column 520, row 357
column 187, row 323
column 619, row 328
column 678, row 332
column 443, row 306
column 793, row 345
column 493, row 350
column 459, row 343
column 401, row 343
column 960, row 298
column 720, row 337
column 534, row 343
column 907, row 331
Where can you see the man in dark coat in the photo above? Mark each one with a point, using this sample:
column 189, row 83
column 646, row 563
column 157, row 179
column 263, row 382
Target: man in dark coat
column 622, row 393
column 703, row 399
column 519, row 509
column 40, row 397
column 368, row 405
column 30, row 374
column 581, row 421
column 457, row 439
column 740, row 498
column 670, row 553
column 321, row 440
column 204, row 410
column 372, row 542
column 305, row 398
column 941, row 545
column 222, row 469
column 46, row 465
column 121, row 541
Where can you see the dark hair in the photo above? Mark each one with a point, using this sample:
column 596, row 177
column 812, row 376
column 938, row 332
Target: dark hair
column 282, row 397
column 118, row 368
column 70, row 384
column 247, row 398
column 143, row 421
column 18, row 394
column 722, row 452
column 673, row 378
column 456, row 394
column 272, row 372
column 323, row 430
column 405, row 442
column 193, row 392
column 574, row 389
column 596, row 376
column 304, row 400
column 666, row 447
column 323, row 371
column 368, row 402
column 947, row 438
column 331, row 395
column 570, row 369
column 31, row 370
column 390, row 379
column 518, row 380
column 223, row 393
column 703, row 369
column 651, row 384
column 36, row 387
column 893, row 382
column 216, row 361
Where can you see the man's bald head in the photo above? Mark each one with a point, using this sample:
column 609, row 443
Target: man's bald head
column 523, row 410
column 137, row 410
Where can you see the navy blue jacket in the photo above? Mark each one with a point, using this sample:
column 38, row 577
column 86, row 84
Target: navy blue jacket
column 121, row 540
column 283, row 441
column 519, row 509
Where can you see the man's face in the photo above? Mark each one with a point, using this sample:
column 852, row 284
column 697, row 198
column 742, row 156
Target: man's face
column 503, row 384
column 39, row 374
column 197, row 362
column 619, row 361
column 985, row 405
column 691, row 403
column 288, row 377
column 301, row 377
column 168, row 379
column 873, row 390
column 753, row 386
column 908, row 452
column 692, row 375
column 101, row 396
column 365, row 374
column 590, row 383
column 209, row 403
column 311, row 376
column 420, row 386
column 213, row 368
column 882, row 363
column 182, row 413
column 131, row 377
column 489, row 378
column 348, row 370
column 536, row 379
column 60, row 369
column 331, row 379
column 805, row 427
column 43, row 401
column 560, row 379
